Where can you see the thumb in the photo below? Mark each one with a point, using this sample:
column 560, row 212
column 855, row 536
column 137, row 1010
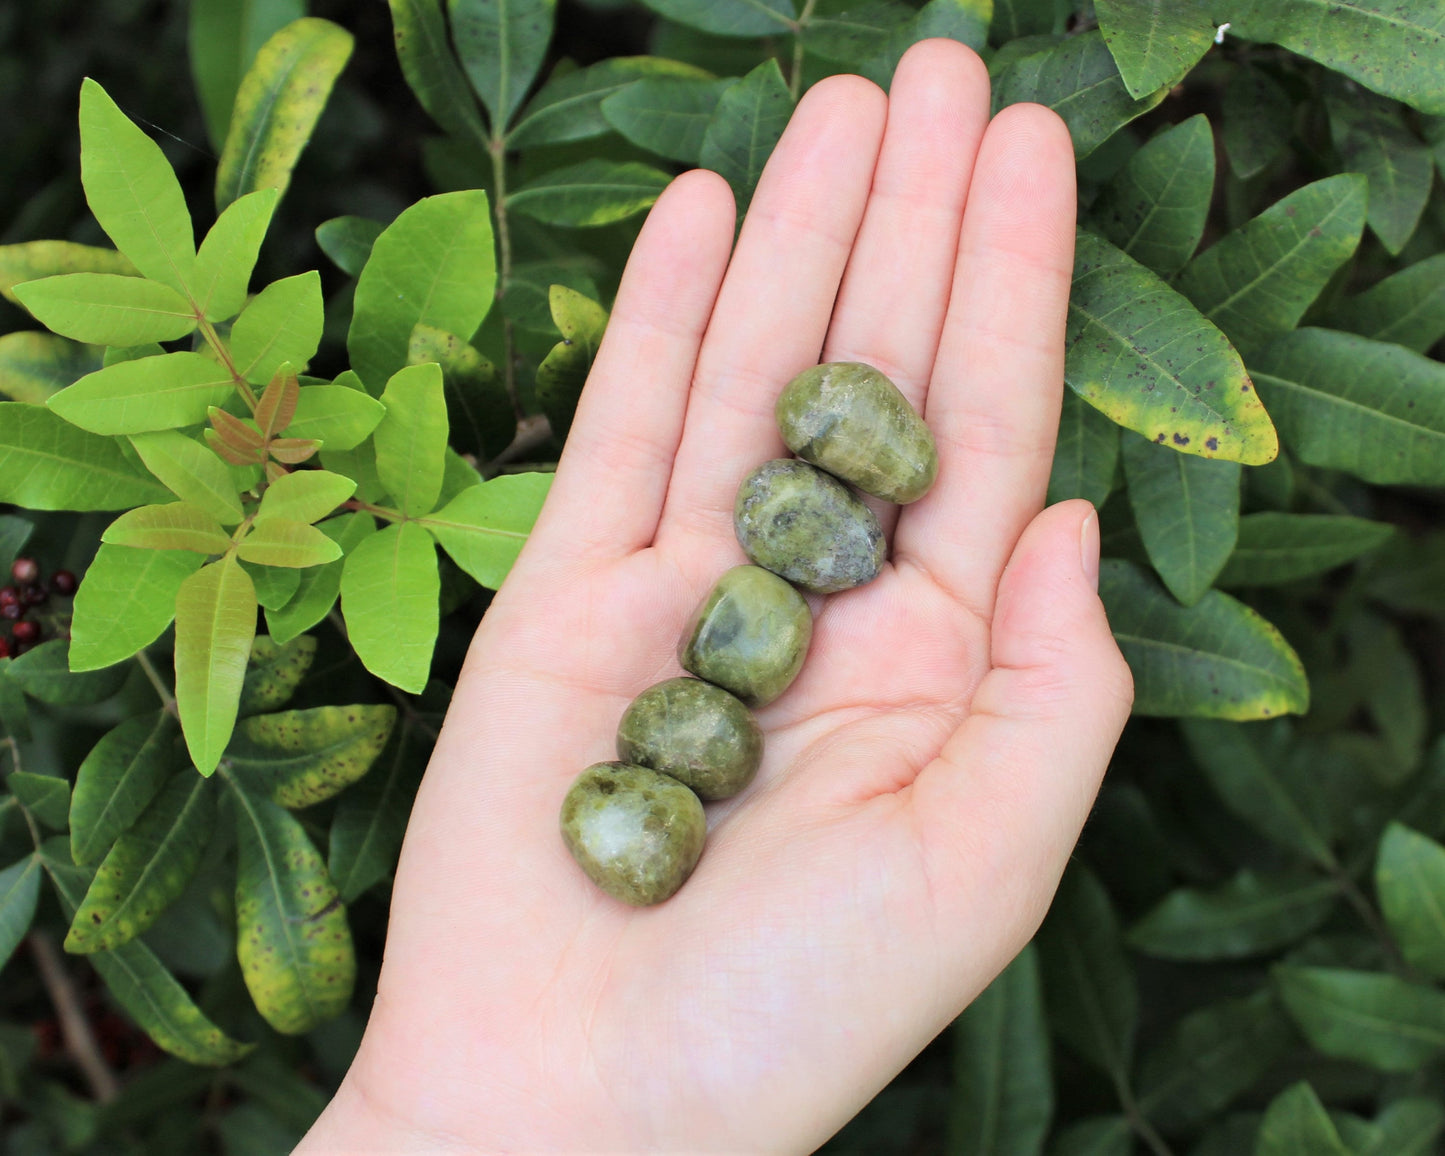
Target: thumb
column 1001, row 808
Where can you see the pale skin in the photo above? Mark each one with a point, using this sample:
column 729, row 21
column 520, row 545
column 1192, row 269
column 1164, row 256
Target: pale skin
column 926, row 777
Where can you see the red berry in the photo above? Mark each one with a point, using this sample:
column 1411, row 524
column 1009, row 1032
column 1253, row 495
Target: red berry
column 9, row 596
column 34, row 594
column 4, row 649
column 26, row 631
column 11, row 610
column 63, row 582
column 25, row 570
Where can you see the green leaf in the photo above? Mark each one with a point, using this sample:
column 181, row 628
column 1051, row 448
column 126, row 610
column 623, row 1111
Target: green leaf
column 1209, row 1058
column 666, row 115
column 1297, row 1124
column 48, row 464
column 215, row 623
column 1154, row 42
column 1257, row 121
column 44, row 673
column 480, row 417
column 149, row 393
column 1141, row 354
column 501, row 44
column 277, row 105
column 595, row 192
column 1155, row 209
column 1372, row 138
column 1216, row 659
column 730, row 17
column 35, row 259
column 281, row 324
column 14, row 533
column 1407, row 308
column 319, row 585
column 1085, row 454
column 1375, row 1019
column 133, row 192
column 144, row 988
column 1257, row 281
column 389, row 591
column 275, row 585
column 1410, row 881
column 305, row 496
column 850, row 33
column 292, row 936
column 1372, row 409
column 106, row 309
column 14, row 714
column 34, row 366
column 370, row 820
column 118, row 779
column 173, row 526
column 1396, row 47
column 1088, row 983
column 963, row 20
column 19, row 893
column 411, row 440
column 1249, row 915
column 1098, row 1135
column 282, row 542
column 275, row 671
column 1078, row 79
column 147, row 868
column 1276, row 548
column 434, row 264
column 568, row 107
column 44, row 796
column 1408, row 1127
column 484, row 527
column 430, row 68
column 348, row 241
column 125, row 601
column 1003, row 1094
column 302, row 757
column 1187, row 511
column 746, row 125
column 192, row 471
column 563, row 372
column 228, row 254
column 341, row 418
column 224, row 39
column 1253, row 781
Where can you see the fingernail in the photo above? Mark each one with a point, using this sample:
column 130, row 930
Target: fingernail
column 1089, row 548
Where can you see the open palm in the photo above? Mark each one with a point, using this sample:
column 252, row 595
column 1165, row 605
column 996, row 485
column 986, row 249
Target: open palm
column 924, row 779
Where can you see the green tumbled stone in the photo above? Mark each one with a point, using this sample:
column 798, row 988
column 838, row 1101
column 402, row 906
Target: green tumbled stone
column 696, row 732
column 808, row 527
column 847, row 418
column 749, row 635
column 636, row 832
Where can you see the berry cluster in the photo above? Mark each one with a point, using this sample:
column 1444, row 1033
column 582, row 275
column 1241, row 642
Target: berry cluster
column 23, row 622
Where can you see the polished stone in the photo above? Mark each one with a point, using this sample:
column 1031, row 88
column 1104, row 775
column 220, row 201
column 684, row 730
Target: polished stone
column 808, row 527
column 847, row 418
column 749, row 635
column 637, row 833
column 696, row 732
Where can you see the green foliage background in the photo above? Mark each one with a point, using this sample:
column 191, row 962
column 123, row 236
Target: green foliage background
column 1247, row 954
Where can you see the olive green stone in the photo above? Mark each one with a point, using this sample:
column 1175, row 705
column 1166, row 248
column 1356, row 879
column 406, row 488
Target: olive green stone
column 808, row 527
column 847, row 418
column 696, row 732
column 636, row 832
column 749, row 635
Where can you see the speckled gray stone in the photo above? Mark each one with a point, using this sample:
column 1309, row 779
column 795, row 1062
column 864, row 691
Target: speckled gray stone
column 847, row 418
column 636, row 832
column 808, row 527
column 696, row 732
column 749, row 635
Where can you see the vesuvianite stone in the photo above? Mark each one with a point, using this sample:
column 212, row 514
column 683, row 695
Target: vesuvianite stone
column 696, row 732
column 636, row 832
column 749, row 635
column 808, row 527
column 847, row 418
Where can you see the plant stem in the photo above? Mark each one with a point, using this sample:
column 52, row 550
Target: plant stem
column 168, row 700
column 1142, row 1128
column 1371, row 919
column 385, row 512
column 497, row 147
column 80, row 1042
column 213, row 339
column 795, row 75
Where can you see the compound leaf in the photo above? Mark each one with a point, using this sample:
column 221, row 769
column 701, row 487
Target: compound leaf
column 46, row 463
column 484, row 527
column 228, row 254
column 107, row 309
column 160, row 392
column 281, row 325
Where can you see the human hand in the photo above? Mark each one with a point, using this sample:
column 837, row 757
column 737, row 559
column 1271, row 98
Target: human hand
column 926, row 777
